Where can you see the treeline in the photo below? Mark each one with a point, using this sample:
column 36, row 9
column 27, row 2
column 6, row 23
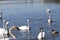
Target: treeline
column 52, row 0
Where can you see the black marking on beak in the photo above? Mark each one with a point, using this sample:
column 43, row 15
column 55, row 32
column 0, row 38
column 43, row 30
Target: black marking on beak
column 17, row 28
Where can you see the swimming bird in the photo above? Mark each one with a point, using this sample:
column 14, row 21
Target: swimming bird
column 25, row 28
column 54, row 33
column 48, row 11
column 41, row 34
column 3, row 32
column 49, row 20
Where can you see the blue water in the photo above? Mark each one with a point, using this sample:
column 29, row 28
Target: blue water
column 18, row 13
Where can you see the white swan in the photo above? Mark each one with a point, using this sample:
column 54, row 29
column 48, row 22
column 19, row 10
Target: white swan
column 41, row 34
column 49, row 20
column 3, row 31
column 48, row 11
column 25, row 28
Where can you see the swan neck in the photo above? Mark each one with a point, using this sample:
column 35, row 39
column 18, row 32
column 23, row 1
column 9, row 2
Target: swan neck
column 4, row 25
column 28, row 24
column 10, row 32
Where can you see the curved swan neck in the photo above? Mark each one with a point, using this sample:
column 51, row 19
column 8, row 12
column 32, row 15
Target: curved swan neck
column 10, row 31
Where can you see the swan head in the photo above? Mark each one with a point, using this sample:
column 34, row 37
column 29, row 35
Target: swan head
column 41, row 29
column 18, row 28
column 28, row 20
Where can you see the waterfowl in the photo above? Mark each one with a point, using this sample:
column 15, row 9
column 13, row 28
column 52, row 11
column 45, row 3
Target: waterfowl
column 41, row 34
column 25, row 28
column 54, row 32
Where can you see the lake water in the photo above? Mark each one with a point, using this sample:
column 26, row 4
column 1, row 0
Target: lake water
column 18, row 13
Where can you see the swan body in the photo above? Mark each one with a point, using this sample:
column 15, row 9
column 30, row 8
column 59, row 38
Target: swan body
column 49, row 20
column 41, row 35
column 24, row 28
column 3, row 32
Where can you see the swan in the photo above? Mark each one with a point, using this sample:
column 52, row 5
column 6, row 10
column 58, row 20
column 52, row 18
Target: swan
column 3, row 31
column 49, row 20
column 25, row 28
column 48, row 11
column 41, row 34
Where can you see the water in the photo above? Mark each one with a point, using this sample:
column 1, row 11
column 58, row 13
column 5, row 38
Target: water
column 18, row 13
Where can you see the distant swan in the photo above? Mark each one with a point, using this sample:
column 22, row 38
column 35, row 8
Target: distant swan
column 48, row 11
column 41, row 34
column 49, row 20
column 25, row 28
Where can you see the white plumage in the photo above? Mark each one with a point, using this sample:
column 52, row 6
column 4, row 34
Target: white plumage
column 49, row 20
column 41, row 35
column 25, row 28
column 3, row 32
column 48, row 10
